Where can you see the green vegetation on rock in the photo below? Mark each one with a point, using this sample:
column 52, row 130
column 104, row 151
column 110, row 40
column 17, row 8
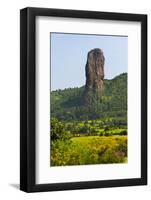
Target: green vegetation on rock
column 68, row 104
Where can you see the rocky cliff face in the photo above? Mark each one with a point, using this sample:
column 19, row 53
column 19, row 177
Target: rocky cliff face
column 94, row 75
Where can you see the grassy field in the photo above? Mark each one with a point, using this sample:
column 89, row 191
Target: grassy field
column 89, row 150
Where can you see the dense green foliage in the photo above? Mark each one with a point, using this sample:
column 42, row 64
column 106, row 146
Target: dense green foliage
column 89, row 150
column 58, row 130
column 68, row 104
column 100, row 127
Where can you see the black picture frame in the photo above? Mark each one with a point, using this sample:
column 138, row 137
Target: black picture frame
column 28, row 99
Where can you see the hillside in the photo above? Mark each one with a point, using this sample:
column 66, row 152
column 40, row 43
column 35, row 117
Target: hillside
column 68, row 104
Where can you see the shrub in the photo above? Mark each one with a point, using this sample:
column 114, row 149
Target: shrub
column 58, row 131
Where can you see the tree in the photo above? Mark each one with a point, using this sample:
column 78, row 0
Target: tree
column 58, row 131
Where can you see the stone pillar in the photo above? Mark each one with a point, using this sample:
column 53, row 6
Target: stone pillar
column 94, row 75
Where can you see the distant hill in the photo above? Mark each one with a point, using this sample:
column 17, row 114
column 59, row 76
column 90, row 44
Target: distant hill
column 68, row 104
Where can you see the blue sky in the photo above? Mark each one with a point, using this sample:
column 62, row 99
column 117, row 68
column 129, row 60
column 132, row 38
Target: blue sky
column 69, row 55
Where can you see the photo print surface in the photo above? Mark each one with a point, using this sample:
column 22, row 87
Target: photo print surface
column 88, row 99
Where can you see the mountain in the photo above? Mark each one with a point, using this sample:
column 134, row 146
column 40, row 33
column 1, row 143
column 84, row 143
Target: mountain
column 68, row 104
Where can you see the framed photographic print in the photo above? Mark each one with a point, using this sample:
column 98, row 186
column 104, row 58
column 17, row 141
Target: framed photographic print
column 83, row 99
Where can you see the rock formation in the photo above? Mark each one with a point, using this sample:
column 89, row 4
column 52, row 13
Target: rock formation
column 94, row 75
